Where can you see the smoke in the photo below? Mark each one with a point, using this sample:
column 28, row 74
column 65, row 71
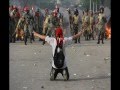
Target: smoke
column 15, row 2
column 107, row 11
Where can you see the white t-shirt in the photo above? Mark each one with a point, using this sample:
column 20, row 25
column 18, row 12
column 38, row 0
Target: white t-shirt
column 53, row 43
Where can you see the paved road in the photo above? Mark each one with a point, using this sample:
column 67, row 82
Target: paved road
column 88, row 64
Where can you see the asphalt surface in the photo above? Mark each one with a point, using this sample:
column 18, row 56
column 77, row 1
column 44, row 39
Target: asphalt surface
column 89, row 66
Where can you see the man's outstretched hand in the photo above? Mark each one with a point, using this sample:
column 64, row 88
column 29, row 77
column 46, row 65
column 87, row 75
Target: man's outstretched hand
column 34, row 33
column 38, row 35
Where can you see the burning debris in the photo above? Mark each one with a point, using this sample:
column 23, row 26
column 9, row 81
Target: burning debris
column 108, row 28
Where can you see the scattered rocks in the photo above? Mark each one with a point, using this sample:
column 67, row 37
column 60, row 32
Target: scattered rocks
column 75, row 74
column 25, row 87
column 87, row 55
column 88, row 76
column 35, row 64
column 42, row 86
column 109, row 74
column 92, row 87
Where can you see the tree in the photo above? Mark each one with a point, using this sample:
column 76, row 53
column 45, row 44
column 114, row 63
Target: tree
column 96, row 4
column 85, row 4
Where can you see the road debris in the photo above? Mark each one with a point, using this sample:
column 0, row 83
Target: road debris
column 88, row 76
column 75, row 74
column 42, row 86
column 87, row 55
column 109, row 74
column 25, row 87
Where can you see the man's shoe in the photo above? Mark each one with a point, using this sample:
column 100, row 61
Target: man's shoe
column 98, row 42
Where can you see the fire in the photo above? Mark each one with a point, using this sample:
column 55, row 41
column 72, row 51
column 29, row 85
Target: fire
column 108, row 31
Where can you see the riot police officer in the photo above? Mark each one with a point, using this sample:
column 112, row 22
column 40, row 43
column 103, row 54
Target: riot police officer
column 101, row 25
column 76, row 21
column 29, row 26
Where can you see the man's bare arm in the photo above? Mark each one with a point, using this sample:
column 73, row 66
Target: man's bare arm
column 78, row 34
column 38, row 35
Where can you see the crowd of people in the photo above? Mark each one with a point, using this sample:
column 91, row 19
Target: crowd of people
column 22, row 23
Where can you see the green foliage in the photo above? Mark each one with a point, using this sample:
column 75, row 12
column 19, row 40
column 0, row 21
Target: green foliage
column 86, row 3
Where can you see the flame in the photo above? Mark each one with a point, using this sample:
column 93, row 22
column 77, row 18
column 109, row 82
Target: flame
column 108, row 31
